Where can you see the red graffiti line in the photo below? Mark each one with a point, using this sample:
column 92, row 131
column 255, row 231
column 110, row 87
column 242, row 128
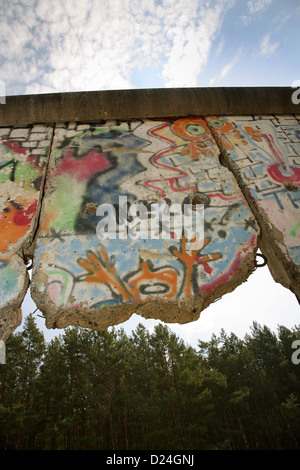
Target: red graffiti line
column 153, row 132
column 173, row 180
column 223, row 278
column 224, row 198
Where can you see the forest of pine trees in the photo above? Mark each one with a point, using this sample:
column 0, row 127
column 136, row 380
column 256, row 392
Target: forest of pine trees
column 107, row 390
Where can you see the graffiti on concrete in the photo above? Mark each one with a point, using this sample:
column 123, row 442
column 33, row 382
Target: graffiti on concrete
column 264, row 152
column 23, row 159
column 170, row 161
column 54, row 178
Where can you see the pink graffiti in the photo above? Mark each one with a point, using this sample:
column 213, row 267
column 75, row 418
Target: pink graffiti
column 14, row 146
column 24, row 217
column 280, row 171
column 293, row 175
column 224, row 198
column 83, row 168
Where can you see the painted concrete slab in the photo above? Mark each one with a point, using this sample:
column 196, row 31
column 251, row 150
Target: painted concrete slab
column 264, row 154
column 80, row 279
column 23, row 159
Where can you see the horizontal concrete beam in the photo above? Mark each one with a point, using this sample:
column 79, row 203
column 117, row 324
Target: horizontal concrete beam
column 145, row 103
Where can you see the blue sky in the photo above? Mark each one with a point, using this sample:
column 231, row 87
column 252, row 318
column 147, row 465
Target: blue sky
column 54, row 46
column 51, row 46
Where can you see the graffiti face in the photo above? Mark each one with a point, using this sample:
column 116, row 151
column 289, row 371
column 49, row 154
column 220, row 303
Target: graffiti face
column 196, row 132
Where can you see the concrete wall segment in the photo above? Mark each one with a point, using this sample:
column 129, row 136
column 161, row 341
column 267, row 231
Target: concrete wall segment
column 264, row 155
column 78, row 279
column 23, row 163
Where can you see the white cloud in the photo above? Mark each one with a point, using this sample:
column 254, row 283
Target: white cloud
column 226, row 69
column 75, row 45
column 190, row 44
column 220, row 47
column 246, row 19
column 254, row 9
column 256, row 6
column 268, row 48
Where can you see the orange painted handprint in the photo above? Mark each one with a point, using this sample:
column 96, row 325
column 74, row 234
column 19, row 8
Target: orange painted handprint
column 101, row 270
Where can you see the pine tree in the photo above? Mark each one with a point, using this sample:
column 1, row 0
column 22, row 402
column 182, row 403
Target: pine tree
column 104, row 390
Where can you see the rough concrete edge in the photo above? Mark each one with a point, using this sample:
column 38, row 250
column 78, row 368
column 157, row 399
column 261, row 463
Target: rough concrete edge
column 145, row 103
column 278, row 264
column 11, row 315
column 281, row 266
column 102, row 318
column 168, row 311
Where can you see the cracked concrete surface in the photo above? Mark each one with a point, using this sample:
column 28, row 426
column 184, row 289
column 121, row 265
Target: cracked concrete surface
column 263, row 153
column 245, row 173
column 79, row 279
column 24, row 154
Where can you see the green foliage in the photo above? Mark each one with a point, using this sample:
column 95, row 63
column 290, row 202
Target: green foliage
column 107, row 390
